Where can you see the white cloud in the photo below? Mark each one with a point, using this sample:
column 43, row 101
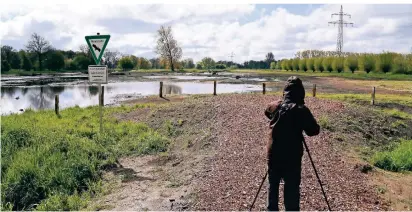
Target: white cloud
column 211, row 30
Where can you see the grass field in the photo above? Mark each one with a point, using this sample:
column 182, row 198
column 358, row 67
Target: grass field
column 58, row 163
column 348, row 75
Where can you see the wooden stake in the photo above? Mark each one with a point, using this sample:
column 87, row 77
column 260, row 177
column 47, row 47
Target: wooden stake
column 102, row 98
column 314, row 90
column 264, row 88
column 373, row 96
column 214, row 88
column 56, row 104
column 161, row 90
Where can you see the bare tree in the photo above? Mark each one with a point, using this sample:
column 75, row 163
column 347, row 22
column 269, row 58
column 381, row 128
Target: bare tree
column 167, row 46
column 111, row 58
column 38, row 45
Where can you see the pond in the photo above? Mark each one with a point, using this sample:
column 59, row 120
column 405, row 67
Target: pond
column 14, row 99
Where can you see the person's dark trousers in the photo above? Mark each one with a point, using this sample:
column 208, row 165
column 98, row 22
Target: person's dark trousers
column 291, row 174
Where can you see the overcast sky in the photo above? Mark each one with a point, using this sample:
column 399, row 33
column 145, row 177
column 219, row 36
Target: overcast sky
column 250, row 31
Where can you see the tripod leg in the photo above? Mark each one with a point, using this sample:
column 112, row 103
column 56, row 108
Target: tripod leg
column 316, row 173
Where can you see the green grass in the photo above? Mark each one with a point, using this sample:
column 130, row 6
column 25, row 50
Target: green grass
column 57, row 163
column 346, row 74
column 379, row 98
column 397, row 159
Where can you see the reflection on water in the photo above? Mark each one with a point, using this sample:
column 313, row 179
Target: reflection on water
column 15, row 98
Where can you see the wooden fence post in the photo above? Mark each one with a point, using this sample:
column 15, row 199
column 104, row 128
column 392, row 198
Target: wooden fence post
column 56, row 105
column 264, row 88
column 102, row 97
column 314, row 90
column 161, row 90
column 373, row 96
column 214, row 88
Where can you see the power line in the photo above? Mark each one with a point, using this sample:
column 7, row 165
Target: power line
column 340, row 23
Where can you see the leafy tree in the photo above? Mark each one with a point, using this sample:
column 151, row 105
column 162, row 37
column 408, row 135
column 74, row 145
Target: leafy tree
column 6, row 52
column 207, row 63
column 366, row 62
column 111, row 58
column 5, row 66
column 25, row 61
column 125, row 63
column 400, row 64
column 69, row 64
column 384, row 62
column 54, row 60
column 272, row 65
column 188, row 63
column 327, row 64
column 318, row 64
column 302, row 65
column 269, row 59
column 14, row 60
column 337, row 64
column 351, row 63
column 295, row 64
column 167, row 46
column 289, row 65
column 82, row 62
column 199, row 66
column 310, row 64
column 143, row 63
column 155, row 63
column 38, row 45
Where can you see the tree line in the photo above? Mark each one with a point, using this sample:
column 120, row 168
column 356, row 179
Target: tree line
column 384, row 62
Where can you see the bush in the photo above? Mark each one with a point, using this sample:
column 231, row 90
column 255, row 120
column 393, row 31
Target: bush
column 199, row 66
column 289, row 64
column 302, row 65
column 5, row 66
column 82, row 62
column 273, row 65
column 398, row 159
column 351, row 63
column 318, row 64
column 366, row 62
column 70, row 65
column 295, row 64
column 327, row 63
column 220, row 66
column 384, row 62
column 125, row 63
column 310, row 64
column 337, row 64
column 54, row 61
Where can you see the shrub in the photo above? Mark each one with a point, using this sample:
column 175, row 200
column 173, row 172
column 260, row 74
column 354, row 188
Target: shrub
column 82, row 62
column 337, row 64
column 126, row 63
column 283, row 64
column 302, row 64
column 199, row 66
column 295, row 64
column 351, row 63
column 310, row 64
column 327, row 63
column 220, row 66
column 318, row 64
column 54, row 61
column 384, row 62
column 366, row 62
column 397, row 159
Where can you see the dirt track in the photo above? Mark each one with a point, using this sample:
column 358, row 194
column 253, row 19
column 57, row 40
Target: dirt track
column 225, row 136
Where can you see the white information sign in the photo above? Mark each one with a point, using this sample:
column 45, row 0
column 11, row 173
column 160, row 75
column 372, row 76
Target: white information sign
column 98, row 74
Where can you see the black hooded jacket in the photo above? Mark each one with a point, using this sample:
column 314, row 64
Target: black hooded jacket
column 289, row 119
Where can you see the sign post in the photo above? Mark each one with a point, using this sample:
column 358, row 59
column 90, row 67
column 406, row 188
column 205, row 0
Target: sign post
column 98, row 73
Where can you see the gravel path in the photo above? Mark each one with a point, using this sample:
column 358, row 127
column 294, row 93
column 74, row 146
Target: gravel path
column 234, row 175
